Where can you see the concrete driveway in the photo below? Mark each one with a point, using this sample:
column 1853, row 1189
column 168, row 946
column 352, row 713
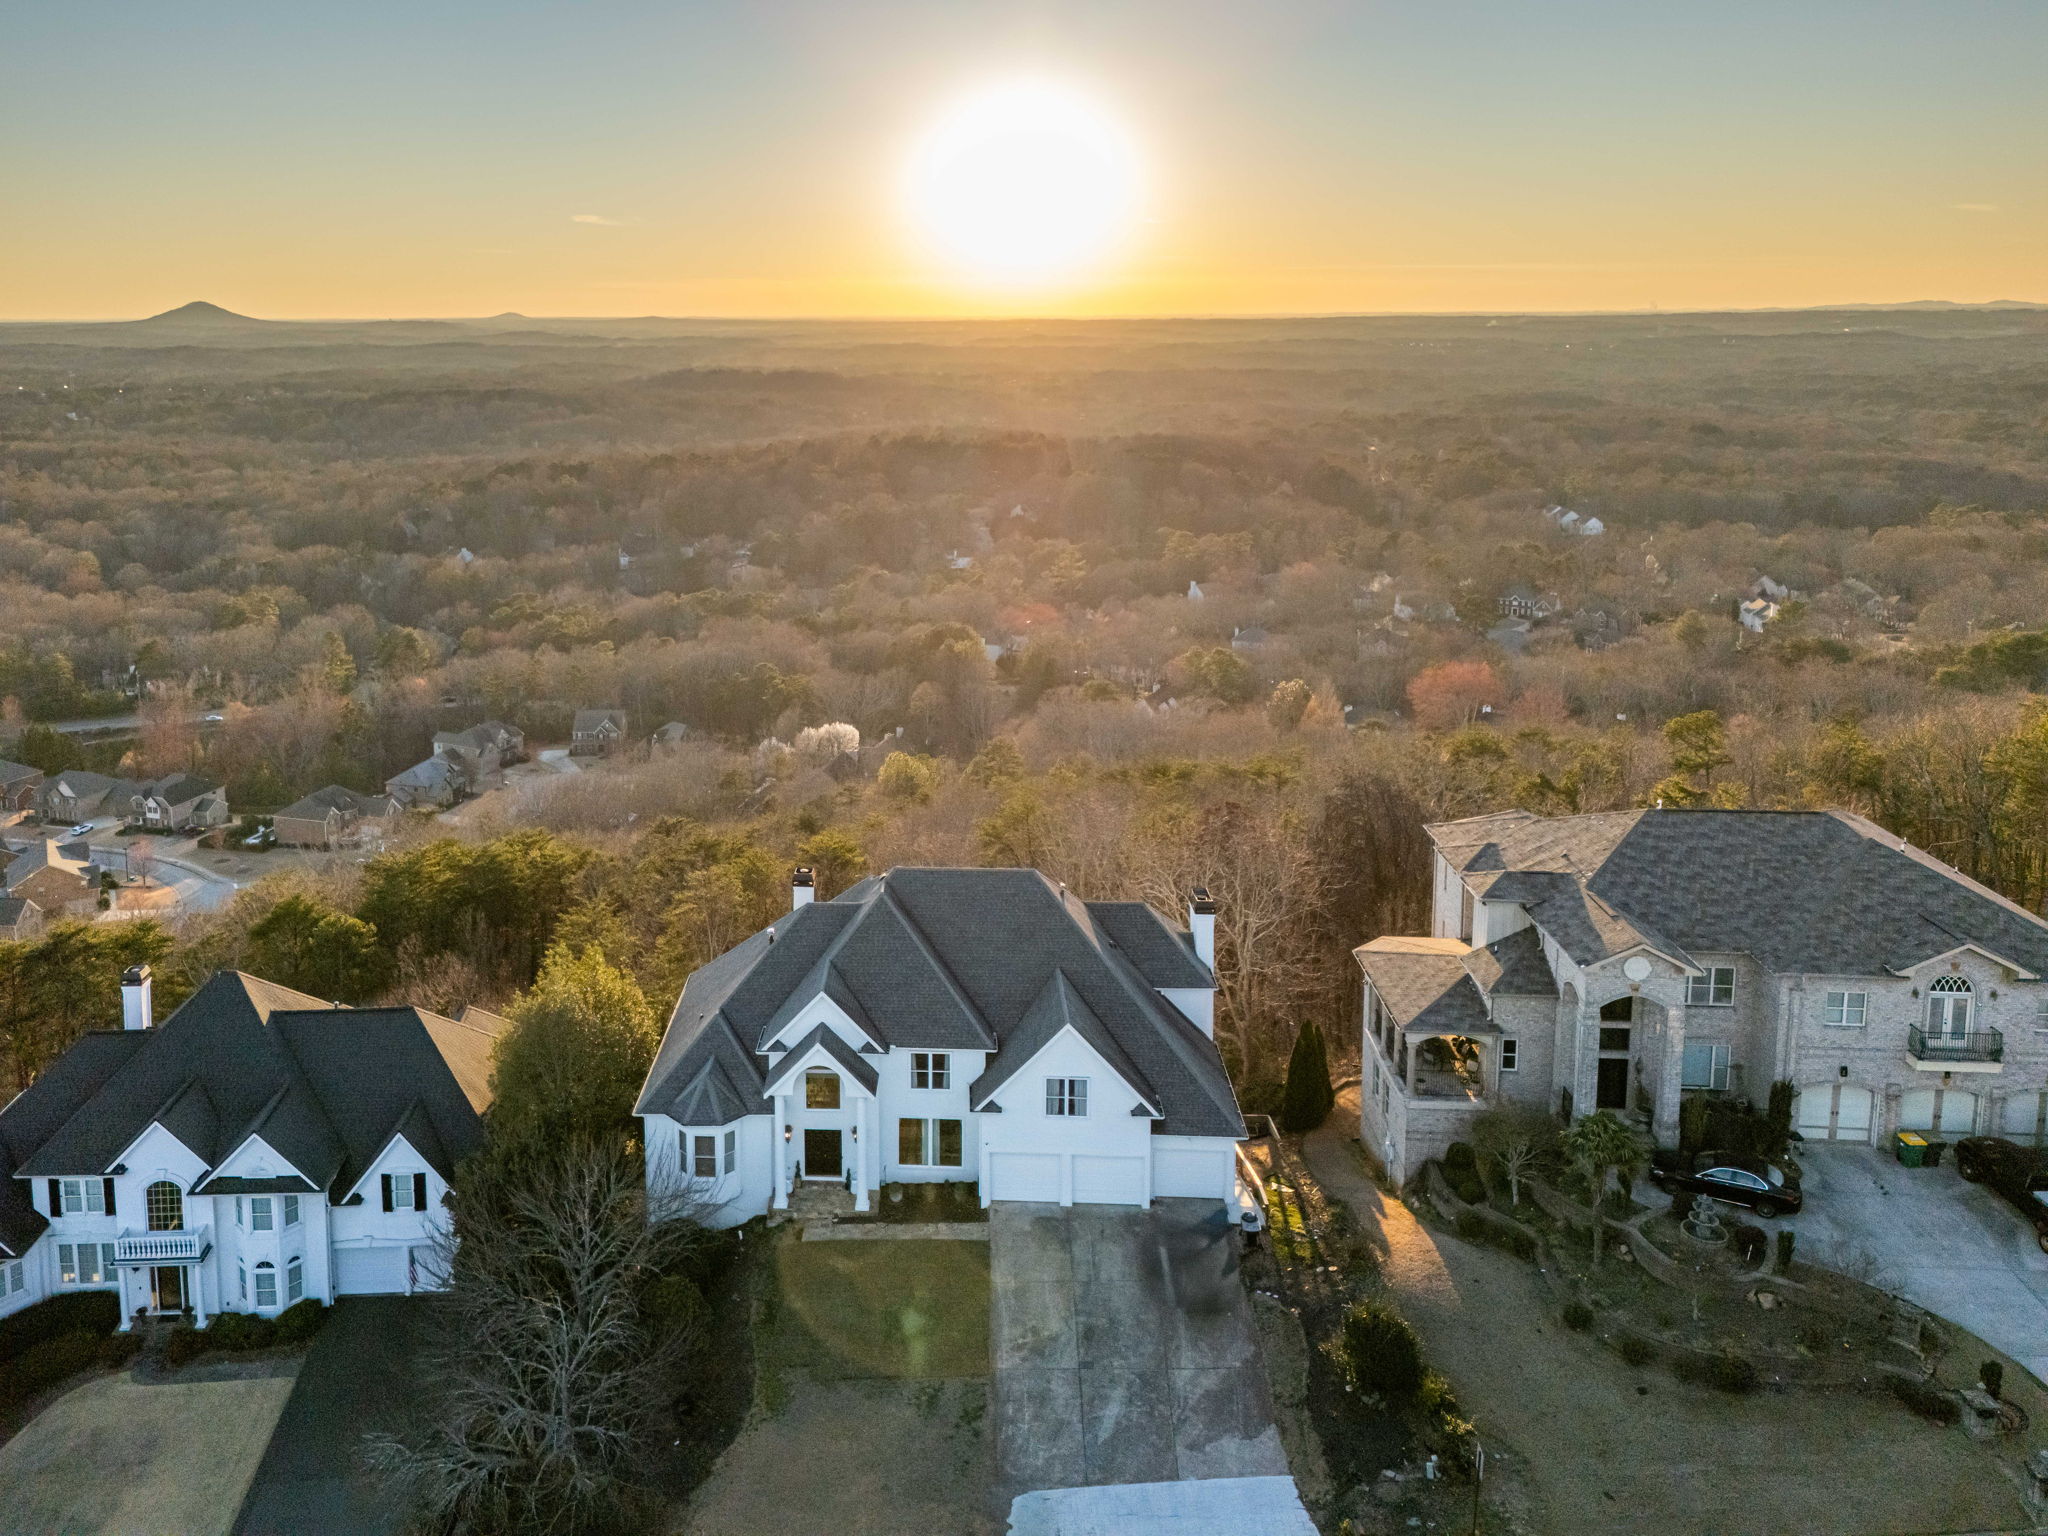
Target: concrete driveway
column 1943, row 1244
column 1122, row 1348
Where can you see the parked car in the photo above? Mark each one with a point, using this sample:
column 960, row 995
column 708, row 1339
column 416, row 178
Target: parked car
column 2019, row 1174
column 83, row 829
column 1764, row 1187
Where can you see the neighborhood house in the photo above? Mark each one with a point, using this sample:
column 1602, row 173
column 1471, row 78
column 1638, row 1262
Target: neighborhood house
column 260, row 1147
column 332, row 816
column 597, row 732
column 978, row 1025
column 1621, row 959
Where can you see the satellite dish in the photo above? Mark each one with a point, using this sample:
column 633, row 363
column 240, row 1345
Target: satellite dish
column 1636, row 968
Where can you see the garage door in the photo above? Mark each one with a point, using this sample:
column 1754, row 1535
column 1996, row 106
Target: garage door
column 2021, row 1118
column 1184, row 1171
column 1834, row 1112
column 369, row 1271
column 1949, row 1112
column 1109, row 1180
column 1024, row 1176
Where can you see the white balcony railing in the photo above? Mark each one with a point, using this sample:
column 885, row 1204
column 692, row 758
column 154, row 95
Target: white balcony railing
column 181, row 1247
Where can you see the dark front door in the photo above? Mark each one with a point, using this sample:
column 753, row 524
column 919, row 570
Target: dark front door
column 167, row 1288
column 821, row 1154
column 1612, row 1089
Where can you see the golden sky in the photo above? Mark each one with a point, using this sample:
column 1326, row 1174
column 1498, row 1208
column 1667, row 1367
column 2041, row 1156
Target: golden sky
column 1304, row 156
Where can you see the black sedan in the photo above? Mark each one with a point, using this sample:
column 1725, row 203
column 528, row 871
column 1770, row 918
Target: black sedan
column 1748, row 1181
column 2017, row 1174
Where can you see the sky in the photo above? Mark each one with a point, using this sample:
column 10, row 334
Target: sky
column 622, row 157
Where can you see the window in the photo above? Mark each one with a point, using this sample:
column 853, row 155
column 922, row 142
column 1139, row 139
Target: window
column 1715, row 989
column 291, row 1210
column 1706, row 1066
column 1614, row 1037
column 705, row 1164
column 259, row 1213
column 244, row 1270
column 1066, row 1095
column 17, row 1274
column 405, row 1191
column 2041, row 1013
column 1845, row 1010
column 732, row 1151
column 67, row 1264
column 238, row 1210
column 931, row 1070
column 928, row 1143
column 85, row 1197
column 821, row 1090
column 266, row 1285
column 165, row 1205
column 84, row 1263
column 295, row 1281
column 1948, row 1009
column 1510, row 1054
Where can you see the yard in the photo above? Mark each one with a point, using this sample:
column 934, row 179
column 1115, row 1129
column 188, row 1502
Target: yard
column 871, row 1396
column 1589, row 1444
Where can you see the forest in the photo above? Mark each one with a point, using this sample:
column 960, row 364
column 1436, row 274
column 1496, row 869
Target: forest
column 1145, row 605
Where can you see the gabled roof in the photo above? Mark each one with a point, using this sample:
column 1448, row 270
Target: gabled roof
column 1058, row 1008
column 38, row 1111
column 821, row 1038
column 337, row 797
column 178, row 788
column 588, row 720
column 1512, row 967
column 951, row 959
column 1812, row 892
column 1164, row 954
column 1425, row 986
column 323, row 1086
column 15, row 773
column 45, row 853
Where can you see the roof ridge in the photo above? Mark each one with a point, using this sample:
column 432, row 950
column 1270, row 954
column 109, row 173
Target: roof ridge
column 930, row 952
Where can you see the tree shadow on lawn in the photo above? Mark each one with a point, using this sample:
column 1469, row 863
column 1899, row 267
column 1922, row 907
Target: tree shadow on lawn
column 903, row 1310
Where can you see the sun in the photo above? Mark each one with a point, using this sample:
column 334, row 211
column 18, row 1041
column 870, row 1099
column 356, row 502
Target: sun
column 1024, row 184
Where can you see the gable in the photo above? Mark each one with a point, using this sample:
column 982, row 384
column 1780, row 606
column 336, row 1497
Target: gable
column 156, row 1153
column 1066, row 1054
column 255, row 1158
column 819, row 1012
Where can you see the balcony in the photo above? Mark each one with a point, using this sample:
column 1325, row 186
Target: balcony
column 1981, row 1050
column 187, row 1246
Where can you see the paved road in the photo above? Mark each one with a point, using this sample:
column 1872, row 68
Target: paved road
column 1123, row 1349
column 1943, row 1244
column 357, row 1377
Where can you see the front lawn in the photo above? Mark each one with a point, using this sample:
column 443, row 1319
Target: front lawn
column 878, row 1308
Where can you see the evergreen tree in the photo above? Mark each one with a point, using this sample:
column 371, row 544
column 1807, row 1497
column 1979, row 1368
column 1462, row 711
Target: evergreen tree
column 1309, row 1096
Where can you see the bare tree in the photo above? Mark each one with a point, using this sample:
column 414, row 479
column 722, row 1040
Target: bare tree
column 550, row 1363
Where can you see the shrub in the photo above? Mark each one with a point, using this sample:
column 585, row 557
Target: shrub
column 1991, row 1376
column 1635, row 1351
column 1786, row 1240
column 1308, row 1098
column 184, row 1346
column 238, row 1331
column 1925, row 1399
column 1475, row 1227
column 94, row 1312
column 1751, row 1243
column 1382, row 1350
column 671, row 1304
column 1578, row 1316
column 1724, row 1372
column 300, row 1321
column 47, row 1363
column 117, row 1349
column 1461, row 1169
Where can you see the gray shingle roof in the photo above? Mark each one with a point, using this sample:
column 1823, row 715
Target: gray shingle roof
column 1163, row 953
column 862, row 1072
column 942, row 959
column 1512, row 967
column 1424, row 984
column 337, row 797
column 1059, row 1007
column 324, row 1087
column 37, row 1112
column 1815, row 892
column 178, row 788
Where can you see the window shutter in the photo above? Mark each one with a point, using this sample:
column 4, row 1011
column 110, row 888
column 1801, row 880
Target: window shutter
column 419, row 1191
column 109, row 1186
column 387, row 1191
column 56, row 1198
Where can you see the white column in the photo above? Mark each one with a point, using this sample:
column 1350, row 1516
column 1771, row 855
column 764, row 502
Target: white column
column 981, row 1161
column 780, row 1199
column 198, row 1274
column 863, row 1136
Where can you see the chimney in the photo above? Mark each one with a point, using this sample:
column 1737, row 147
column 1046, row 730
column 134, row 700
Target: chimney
column 135, row 998
column 1202, row 925
column 803, row 888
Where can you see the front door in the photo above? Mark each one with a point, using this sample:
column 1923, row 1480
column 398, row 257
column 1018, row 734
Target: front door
column 167, row 1288
column 1611, row 1088
column 821, row 1155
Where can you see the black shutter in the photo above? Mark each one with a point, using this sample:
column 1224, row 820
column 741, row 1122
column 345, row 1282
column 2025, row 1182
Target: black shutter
column 387, row 1191
column 109, row 1183
column 419, row 1191
column 56, row 1198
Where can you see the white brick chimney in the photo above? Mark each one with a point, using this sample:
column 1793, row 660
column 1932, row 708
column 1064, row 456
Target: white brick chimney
column 135, row 1011
column 1202, row 924
column 803, row 887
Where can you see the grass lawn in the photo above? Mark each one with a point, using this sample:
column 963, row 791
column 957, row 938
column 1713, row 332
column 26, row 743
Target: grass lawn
column 909, row 1310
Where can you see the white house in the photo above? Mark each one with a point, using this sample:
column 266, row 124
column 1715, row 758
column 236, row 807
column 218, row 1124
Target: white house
column 1623, row 959
column 260, row 1147
column 976, row 1025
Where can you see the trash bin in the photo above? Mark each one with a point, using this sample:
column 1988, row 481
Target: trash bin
column 1912, row 1149
column 1934, row 1151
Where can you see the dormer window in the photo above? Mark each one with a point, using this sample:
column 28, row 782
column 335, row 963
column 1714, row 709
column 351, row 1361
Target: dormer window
column 821, row 1089
column 1948, row 1009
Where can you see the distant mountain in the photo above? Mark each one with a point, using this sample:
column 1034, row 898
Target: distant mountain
column 199, row 312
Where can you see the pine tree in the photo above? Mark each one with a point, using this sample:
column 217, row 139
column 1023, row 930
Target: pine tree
column 1309, row 1096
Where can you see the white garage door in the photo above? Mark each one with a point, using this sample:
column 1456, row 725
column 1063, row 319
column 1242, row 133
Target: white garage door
column 369, row 1271
column 2022, row 1117
column 1109, row 1180
column 1949, row 1112
column 1024, row 1176
column 1852, row 1118
column 1834, row 1112
column 1185, row 1171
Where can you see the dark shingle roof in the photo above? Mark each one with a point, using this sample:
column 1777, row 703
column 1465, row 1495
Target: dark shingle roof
column 1163, row 954
column 862, row 1072
column 38, row 1111
column 1512, row 967
column 943, row 959
column 178, row 788
column 16, row 773
column 336, row 797
column 1819, row 892
column 1424, row 984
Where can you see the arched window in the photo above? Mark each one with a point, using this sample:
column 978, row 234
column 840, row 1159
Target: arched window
column 821, row 1090
column 1948, row 1009
column 165, row 1205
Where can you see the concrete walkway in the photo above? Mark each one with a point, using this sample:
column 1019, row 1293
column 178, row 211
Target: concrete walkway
column 1944, row 1244
column 896, row 1231
column 1234, row 1506
column 1123, row 1349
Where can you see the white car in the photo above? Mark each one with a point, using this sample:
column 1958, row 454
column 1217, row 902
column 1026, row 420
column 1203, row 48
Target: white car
column 83, row 829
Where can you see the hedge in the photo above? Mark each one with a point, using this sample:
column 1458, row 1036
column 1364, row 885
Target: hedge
column 47, row 1363
column 93, row 1312
column 1925, row 1399
column 1725, row 1372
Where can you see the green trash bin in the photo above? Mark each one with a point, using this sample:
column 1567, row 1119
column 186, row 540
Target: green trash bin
column 1912, row 1148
